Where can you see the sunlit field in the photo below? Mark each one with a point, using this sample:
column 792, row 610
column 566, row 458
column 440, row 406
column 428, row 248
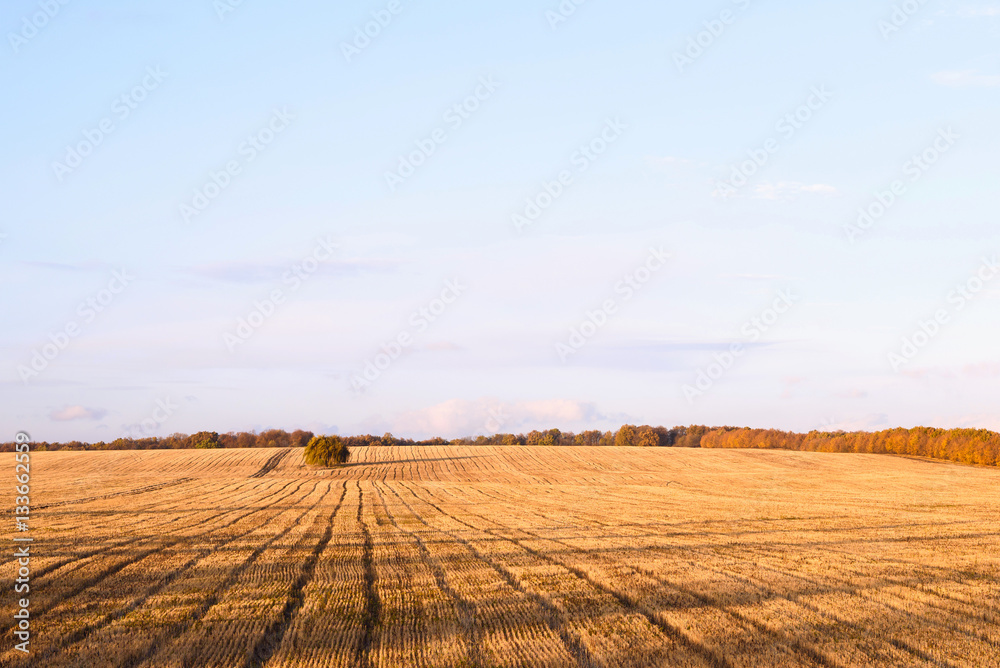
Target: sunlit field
column 511, row 556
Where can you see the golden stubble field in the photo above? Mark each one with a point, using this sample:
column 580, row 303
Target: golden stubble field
column 509, row 556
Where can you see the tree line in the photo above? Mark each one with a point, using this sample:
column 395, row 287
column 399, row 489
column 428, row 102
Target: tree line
column 626, row 436
column 272, row 438
column 969, row 446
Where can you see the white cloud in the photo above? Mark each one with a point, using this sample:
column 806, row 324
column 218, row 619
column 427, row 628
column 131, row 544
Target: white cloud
column 983, row 369
column 464, row 417
column 871, row 422
column 989, row 421
column 274, row 271
column 443, row 346
column 322, row 428
column 662, row 161
column 77, row 413
column 757, row 277
column 783, row 190
column 965, row 79
column 852, row 394
column 976, row 370
column 978, row 12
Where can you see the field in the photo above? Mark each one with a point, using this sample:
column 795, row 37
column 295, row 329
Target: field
column 509, row 556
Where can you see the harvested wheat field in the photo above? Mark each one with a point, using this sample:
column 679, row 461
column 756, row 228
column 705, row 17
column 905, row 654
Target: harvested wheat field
column 511, row 556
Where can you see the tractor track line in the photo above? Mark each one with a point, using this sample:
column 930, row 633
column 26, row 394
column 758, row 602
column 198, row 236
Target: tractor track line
column 269, row 643
column 624, row 600
column 109, row 618
column 179, row 629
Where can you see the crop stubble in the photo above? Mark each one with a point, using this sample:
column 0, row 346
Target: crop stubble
column 511, row 556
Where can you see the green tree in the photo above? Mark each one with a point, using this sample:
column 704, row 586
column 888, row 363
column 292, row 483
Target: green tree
column 207, row 440
column 326, row 451
column 550, row 437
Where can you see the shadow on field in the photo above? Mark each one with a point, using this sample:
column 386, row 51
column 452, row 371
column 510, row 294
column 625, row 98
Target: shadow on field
column 389, row 462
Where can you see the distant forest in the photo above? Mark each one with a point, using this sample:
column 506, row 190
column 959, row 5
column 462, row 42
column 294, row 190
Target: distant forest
column 969, row 446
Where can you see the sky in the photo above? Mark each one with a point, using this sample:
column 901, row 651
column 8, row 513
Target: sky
column 443, row 219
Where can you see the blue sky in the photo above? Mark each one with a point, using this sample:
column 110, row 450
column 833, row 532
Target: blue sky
column 200, row 232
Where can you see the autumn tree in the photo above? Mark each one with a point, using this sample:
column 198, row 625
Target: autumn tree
column 273, row 438
column 692, row 437
column 300, row 438
column 626, row 436
column 646, row 437
column 592, row 437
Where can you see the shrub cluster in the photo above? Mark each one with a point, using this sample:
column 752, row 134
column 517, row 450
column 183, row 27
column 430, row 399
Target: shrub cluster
column 326, row 451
